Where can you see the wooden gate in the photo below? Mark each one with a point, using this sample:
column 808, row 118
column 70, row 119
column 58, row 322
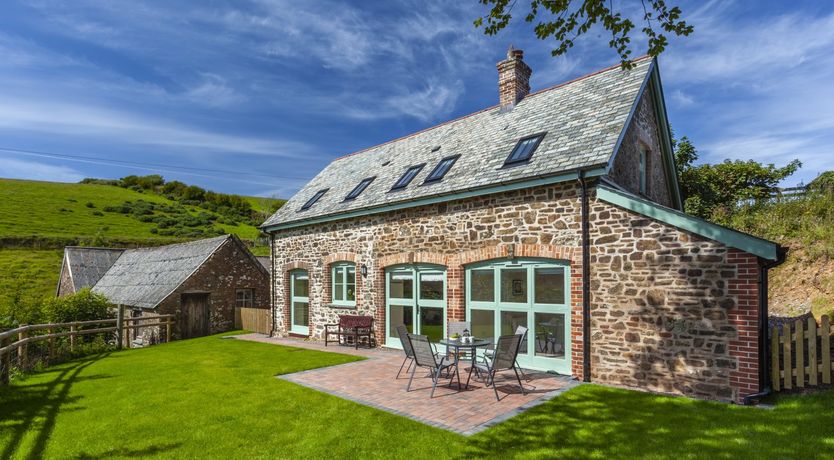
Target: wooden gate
column 195, row 315
column 800, row 354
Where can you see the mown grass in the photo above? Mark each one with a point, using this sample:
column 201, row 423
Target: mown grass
column 61, row 210
column 215, row 398
column 34, row 272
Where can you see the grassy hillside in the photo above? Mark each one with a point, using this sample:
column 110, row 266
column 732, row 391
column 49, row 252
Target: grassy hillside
column 50, row 209
column 39, row 218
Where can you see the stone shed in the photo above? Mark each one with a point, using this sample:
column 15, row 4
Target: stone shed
column 201, row 282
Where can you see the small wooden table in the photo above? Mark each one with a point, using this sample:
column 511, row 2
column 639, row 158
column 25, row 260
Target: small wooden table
column 457, row 345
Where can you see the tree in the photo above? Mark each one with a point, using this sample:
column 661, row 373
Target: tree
column 84, row 305
column 714, row 191
column 565, row 21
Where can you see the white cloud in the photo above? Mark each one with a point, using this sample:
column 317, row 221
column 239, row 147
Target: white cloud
column 21, row 169
column 682, row 99
column 214, row 91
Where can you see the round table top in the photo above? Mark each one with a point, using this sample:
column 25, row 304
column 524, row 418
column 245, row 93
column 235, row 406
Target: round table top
column 458, row 344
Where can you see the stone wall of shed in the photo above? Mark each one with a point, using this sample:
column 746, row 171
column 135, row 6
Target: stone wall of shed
column 643, row 131
column 537, row 222
column 228, row 269
column 65, row 286
column 671, row 312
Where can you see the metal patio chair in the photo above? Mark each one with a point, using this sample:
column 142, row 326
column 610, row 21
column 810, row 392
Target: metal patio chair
column 457, row 327
column 520, row 330
column 425, row 357
column 504, row 359
column 402, row 332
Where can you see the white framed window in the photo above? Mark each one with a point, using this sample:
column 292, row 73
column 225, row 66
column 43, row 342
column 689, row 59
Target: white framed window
column 643, row 169
column 244, row 298
column 343, row 283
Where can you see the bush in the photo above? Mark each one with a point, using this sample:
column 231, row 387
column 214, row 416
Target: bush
column 84, row 305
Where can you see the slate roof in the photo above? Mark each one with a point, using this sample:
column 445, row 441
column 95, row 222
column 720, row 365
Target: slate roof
column 87, row 265
column 145, row 277
column 265, row 261
column 583, row 120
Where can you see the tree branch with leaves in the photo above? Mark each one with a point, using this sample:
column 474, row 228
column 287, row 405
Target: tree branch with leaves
column 566, row 20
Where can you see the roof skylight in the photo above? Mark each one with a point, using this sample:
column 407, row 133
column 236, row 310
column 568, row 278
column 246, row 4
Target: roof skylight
column 442, row 168
column 524, row 149
column 313, row 199
column 407, row 177
column 359, row 188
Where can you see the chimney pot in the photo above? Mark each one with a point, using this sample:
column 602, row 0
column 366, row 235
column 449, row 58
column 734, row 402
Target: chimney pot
column 513, row 79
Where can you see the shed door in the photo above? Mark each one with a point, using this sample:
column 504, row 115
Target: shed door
column 195, row 315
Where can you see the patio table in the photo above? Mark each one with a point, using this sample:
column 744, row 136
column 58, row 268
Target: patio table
column 457, row 345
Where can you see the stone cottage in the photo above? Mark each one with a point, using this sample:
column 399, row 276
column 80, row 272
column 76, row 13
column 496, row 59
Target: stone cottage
column 201, row 282
column 82, row 267
column 558, row 210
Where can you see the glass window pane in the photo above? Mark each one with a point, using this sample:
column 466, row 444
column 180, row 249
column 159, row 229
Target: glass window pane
column 400, row 315
column 339, row 283
column 510, row 320
column 431, row 323
column 482, row 285
column 550, row 285
column 514, row 285
column 401, row 286
column 350, row 289
column 483, row 324
column 431, row 286
column 550, row 335
column 300, row 314
column 301, row 284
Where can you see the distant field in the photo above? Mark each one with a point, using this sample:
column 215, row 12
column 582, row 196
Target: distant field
column 52, row 209
column 34, row 271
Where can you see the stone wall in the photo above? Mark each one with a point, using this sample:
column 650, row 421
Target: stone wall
column 65, row 286
column 671, row 312
column 643, row 131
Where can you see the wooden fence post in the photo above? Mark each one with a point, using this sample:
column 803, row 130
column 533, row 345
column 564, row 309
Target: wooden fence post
column 5, row 361
column 800, row 354
column 774, row 358
column 812, row 351
column 168, row 322
column 72, row 337
column 120, row 315
column 51, row 343
column 23, row 349
column 787, row 339
column 826, row 350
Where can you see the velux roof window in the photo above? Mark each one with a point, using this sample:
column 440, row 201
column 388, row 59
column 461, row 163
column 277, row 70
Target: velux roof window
column 359, row 188
column 441, row 169
column 407, row 177
column 524, row 149
column 313, row 199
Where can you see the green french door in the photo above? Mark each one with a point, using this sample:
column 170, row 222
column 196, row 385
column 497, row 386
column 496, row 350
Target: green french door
column 300, row 302
column 415, row 296
column 533, row 293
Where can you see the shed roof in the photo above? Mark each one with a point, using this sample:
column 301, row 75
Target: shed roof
column 145, row 277
column 583, row 121
column 87, row 265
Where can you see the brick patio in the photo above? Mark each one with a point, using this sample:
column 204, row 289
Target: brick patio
column 372, row 382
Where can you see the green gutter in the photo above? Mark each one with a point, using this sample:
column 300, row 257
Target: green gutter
column 438, row 199
column 747, row 243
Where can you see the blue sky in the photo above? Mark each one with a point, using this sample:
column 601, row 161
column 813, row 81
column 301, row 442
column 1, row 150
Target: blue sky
column 255, row 97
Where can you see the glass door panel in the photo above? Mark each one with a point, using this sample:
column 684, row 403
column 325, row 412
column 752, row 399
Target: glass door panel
column 431, row 322
column 401, row 285
column 510, row 320
column 416, row 297
column 300, row 311
column 431, row 286
column 397, row 315
column 514, row 285
column 550, row 335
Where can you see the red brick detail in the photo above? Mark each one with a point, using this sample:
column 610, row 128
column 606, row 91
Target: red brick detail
column 745, row 317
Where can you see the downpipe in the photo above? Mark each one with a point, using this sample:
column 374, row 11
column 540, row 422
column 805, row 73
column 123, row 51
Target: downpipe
column 586, row 280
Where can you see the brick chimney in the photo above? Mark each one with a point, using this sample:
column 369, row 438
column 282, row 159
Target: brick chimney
column 513, row 79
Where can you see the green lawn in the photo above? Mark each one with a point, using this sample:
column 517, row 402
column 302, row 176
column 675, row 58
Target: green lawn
column 215, row 398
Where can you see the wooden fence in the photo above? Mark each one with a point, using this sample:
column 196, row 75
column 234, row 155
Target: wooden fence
column 801, row 354
column 254, row 319
column 16, row 341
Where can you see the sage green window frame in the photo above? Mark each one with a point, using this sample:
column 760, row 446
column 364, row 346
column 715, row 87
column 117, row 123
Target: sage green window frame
column 415, row 302
column 344, row 269
column 531, row 307
column 297, row 329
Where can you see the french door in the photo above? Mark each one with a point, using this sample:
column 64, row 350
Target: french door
column 415, row 296
column 533, row 293
column 300, row 302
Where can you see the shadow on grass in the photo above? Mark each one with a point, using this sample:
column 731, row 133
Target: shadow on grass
column 599, row 422
column 127, row 452
column 35, row 407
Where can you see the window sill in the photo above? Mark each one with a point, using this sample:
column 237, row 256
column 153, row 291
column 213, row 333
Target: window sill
column 340, row 307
